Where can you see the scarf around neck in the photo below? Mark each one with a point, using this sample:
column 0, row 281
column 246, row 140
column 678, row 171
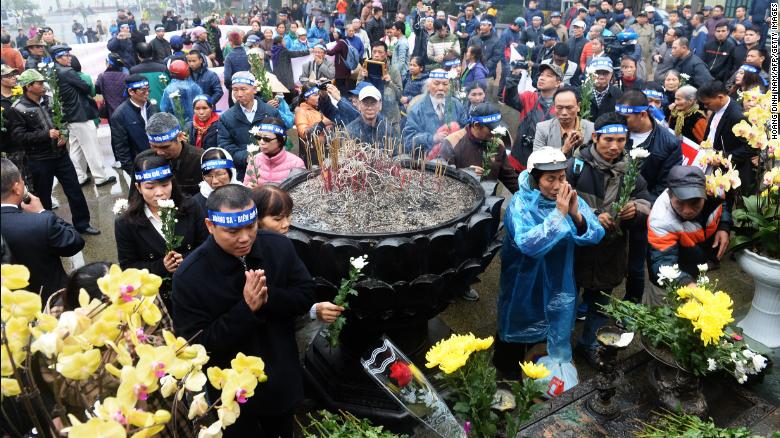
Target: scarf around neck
column 202, row 127
column 680, row 116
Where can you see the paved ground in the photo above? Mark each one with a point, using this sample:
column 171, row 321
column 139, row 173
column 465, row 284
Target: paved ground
column 477, row 317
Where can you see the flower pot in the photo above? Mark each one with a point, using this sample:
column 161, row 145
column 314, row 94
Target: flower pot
column 762, row 322
column 677, row 388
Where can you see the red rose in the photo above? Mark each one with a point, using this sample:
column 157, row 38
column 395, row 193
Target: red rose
column 401, row 373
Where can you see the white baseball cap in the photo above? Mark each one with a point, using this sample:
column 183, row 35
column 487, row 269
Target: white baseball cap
column 649, row 9
column 301, row 32
column 370, row 91
column 579, row 23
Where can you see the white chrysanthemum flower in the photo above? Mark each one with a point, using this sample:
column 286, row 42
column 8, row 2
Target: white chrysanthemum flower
column 253, row 148
column 702, row 267
column 685, row 76
column 255, row 130
column 174, row 94
column 748, row 354
column 711, row 364
column 638, row 153
column 166, row 203
column 499, row 130
column 119, row 206
column 358, row 263
column 759, row 362
column 667, row 274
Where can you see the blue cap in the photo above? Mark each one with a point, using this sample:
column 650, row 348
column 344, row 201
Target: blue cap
column 252, row 39
column 359, row 87
column 520, row 21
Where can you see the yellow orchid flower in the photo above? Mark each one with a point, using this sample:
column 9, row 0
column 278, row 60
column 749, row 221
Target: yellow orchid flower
column 228, row 413
column 18, row 357
column 252, row 364
column 199, row 406
column 149, row 311
column 122, row 354
column 742, row 128
column 155, row 360
column 14, row 277
column 78, row 366
column 45, row 322
column 195, row 381
column 168, row 385
column 534, row 371
column 20, row 304
column 10, row 387
column 106, row 328
column 72, row 323
column 48, row 344
column 125, row 286
column 238, row 386
column 111, row 409
column 136, row 384
column 97, row 428
column 216, row 377
column 213, row 431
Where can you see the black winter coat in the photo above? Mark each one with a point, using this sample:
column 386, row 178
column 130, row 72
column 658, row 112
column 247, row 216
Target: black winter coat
column 186, row 169
column 28, row 124
column 77, row 104
column 208, row 304
column 128, row 132
column 665, row 152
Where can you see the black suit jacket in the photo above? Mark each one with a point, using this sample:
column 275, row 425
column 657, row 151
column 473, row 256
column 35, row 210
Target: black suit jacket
column 38, row 240
column 730, row 144
column 140, row 246
column 208, row 302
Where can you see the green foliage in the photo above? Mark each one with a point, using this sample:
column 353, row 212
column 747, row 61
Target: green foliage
column 525, row 392
column 473, row 387
column 586, row 96
column 343, row 425
column 758, row 224
column 346, row 289
column 689, row 426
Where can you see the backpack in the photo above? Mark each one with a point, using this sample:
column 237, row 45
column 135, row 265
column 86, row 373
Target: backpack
column 353, row 57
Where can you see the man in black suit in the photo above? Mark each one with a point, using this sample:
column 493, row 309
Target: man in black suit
column 241, row 291
column 725, row 114
column 37, row 238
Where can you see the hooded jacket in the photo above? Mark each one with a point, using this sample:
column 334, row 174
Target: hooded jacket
column 271, row 169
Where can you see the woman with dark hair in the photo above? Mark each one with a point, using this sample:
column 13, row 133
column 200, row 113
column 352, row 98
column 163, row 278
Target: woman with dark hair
column 138, row 231
column 475, row 70
column 309, row 120
column 475, row 94
column 340, row 52
column 414, row 79
column 746, row 78
column 203, row 129
column 280, row 62
column 111, row 84
column 274, row 213
column 629, row 79
column 218, row 170
column 85, row 278
column 273, row 164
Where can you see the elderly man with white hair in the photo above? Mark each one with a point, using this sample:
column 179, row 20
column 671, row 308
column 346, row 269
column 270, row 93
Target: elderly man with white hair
column 686, row 118
column 434, row 111
column 360, row 32
column 320, row 68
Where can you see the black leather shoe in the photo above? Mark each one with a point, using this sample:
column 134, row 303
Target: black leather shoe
column 109, row 180
column 90, row 231
column 85, row 182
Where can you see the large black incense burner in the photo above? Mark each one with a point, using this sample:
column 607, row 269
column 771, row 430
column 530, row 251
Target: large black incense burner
column 412, row 275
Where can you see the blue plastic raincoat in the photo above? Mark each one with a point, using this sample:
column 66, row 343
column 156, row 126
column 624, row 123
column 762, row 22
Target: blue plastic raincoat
column 538, row 295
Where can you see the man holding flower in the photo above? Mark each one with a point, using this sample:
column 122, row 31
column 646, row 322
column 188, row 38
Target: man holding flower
column 608, row 179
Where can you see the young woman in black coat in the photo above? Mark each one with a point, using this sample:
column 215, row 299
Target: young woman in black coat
column 138, row 231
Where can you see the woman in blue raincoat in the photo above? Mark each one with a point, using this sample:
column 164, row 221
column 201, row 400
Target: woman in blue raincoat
column 537, row 300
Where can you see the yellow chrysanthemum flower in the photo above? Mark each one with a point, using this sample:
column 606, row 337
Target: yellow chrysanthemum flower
column 451, row 354
column 690, row 310
column 534, row 371
column 14, row 276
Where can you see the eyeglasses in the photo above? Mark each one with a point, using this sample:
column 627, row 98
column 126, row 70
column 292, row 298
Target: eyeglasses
column 215, row 174
column 266, row 139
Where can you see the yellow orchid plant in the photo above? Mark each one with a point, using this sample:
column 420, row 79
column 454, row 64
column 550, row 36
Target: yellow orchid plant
column 111, row 367
column 757, row 222
column 693, row 326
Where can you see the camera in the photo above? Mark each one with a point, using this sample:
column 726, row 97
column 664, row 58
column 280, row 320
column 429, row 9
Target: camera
column 323, row 85
column 518, row 63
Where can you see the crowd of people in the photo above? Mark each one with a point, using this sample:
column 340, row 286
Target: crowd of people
column 434, row 81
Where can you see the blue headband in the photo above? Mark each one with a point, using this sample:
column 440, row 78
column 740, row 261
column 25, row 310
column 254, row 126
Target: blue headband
column 627, row 109
column 110, row 61
column 749, row 68
column 613, row 129
column 245, row 81
column 486, row 119
column 439, row 75
column 548, row 38
column 202, row 97
column 161, row 172
column 276, row 129
column 311, row 92
column 233, row 220
column 58, row 53
column 219, row 163
column 451, row 63
column 166, row 136
column 655, row 94
column 137, row 84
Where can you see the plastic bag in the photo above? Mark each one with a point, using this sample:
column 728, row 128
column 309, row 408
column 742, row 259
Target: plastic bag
column 563, row 376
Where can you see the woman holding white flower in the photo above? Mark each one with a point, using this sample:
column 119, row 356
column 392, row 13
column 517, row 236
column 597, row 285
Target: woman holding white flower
column 273, row 163
column 608, row 179
column 140, row 240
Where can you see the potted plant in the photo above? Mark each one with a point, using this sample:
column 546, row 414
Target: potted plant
column 689, row 337
column 757, row 223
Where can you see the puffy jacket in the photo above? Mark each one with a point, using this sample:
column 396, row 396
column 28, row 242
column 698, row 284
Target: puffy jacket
column 318, row 35
column 665, row 152
column 234, row 131
column 375, row 29
column 161, row 49
column 413, row 86
column 111, row 85
column 75, row 96
column 438, row 47
column 123, row 48
column 598, row 182
column 208, row 81
column 684, row 243
column 271, row 169
column 306, row 118
column 475, row 73
column 187, row 90
column 492, row 52
column 128, row 132
column 374, row 135
column 699, row 38
column 537, row 292
column 236, row 61
column 28, row 124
